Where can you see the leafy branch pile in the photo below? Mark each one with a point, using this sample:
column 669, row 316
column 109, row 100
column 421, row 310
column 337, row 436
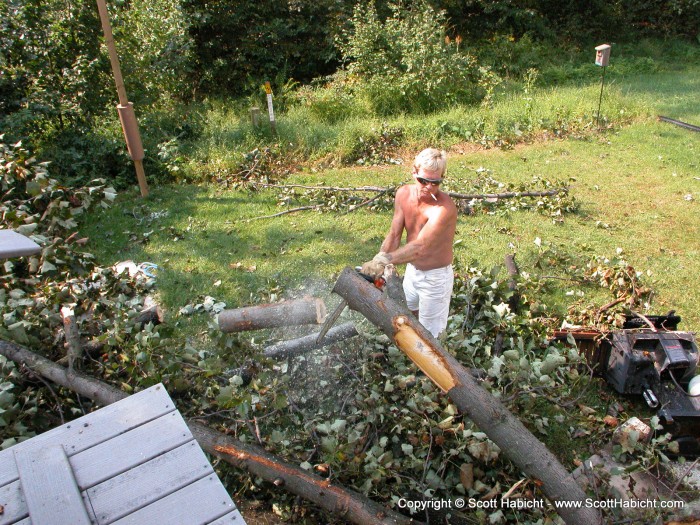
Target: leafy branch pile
column 379, row 148
column 623, row 284
column 357, row 413
column 34, row 289
column 266, row 166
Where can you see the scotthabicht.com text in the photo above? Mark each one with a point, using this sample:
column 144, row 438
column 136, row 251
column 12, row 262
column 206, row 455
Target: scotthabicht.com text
column 532, row 504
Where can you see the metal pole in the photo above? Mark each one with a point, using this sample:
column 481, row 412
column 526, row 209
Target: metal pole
column 600, row 99
column 125, row 109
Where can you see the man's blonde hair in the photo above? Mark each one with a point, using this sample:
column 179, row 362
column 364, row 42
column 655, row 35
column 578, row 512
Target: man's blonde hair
column 433, row 160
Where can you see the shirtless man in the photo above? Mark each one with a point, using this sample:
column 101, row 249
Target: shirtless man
column 430, row 218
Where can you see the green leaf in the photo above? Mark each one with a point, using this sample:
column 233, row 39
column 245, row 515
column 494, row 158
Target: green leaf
column 47, row 267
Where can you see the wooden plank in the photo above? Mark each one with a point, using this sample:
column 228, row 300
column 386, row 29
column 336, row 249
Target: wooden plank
column 232, row 518
column 49, row 487
column 13, row 505
column 129, row 450
column 196, row 504
column 13, row 244
column 146, row 483
column 95, row 428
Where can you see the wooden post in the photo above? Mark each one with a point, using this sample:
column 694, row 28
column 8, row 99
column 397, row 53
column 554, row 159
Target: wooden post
column 125, row 108
column 270, row 109
column 494, row 419
column 308, row 310
column 255, row 116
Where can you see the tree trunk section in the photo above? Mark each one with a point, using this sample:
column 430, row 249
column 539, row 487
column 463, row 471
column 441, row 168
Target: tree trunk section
column 504, row 429
column 308, row 310
column 341, row 502
column 335, row 499
column 305, row 344
column 151, row 313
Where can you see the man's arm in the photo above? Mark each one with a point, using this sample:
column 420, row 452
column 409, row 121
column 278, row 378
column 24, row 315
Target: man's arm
column 393, row 239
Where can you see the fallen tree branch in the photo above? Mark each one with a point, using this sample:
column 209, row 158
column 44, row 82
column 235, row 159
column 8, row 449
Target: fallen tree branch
column 454, row 195
column 645, row 319
column 366, row 203
column 606, row 307
column 285, row 212
column 685, row 125
column 489, row 414
column 507, row 195
column 295, row 347
column 335, row 499
column 341, row 502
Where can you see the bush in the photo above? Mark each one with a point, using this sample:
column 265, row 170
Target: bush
column 408, row 63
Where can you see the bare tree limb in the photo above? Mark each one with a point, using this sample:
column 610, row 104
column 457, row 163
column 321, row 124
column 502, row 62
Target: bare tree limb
column 74, row 350
column 454, row 195
column 295, row 347
column 285, row 212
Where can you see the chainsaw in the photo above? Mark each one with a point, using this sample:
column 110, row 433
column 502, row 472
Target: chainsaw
column 379, row 282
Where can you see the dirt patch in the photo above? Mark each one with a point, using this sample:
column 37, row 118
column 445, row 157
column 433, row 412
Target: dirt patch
column 254, row 513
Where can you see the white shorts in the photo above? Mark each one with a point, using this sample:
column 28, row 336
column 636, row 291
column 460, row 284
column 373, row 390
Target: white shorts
column 429, row 292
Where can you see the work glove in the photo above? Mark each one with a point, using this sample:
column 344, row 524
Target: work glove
column 375, row 267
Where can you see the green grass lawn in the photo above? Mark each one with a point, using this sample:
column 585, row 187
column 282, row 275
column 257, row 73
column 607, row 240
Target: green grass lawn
column 637, row 187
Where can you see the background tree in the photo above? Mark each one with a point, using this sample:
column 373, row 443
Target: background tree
column 240, row 43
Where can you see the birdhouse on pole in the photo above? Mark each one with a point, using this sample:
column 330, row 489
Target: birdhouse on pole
column 602, row 55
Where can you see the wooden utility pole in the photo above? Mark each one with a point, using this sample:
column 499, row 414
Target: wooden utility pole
column 124, row 108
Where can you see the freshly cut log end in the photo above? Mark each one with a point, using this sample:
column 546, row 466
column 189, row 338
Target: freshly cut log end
column 308, row 310
column 422, row 354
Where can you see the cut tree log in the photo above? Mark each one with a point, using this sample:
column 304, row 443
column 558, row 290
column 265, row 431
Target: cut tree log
column 339, row 501
column 308, row 310
column 74, row 350
column 305, row 344
column 491, row 416
column 293, row 348
column 151, row 313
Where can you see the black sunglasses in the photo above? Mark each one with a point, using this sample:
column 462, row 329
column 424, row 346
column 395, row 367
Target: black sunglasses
column 429, row 181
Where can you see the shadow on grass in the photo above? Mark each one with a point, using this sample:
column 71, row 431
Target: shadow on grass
column 205, row 243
